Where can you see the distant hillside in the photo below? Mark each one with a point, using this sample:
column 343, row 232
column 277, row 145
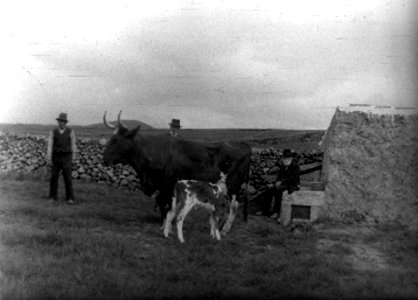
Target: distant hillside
column 92, row 130
column 130, row 123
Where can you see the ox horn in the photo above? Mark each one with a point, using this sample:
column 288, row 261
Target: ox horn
column 120, row 121
column 108, row 125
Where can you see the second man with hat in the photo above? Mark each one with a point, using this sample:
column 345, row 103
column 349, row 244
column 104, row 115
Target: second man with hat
column 174, row 127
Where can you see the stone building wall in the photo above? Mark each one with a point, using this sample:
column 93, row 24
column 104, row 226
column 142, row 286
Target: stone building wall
column 370, row 165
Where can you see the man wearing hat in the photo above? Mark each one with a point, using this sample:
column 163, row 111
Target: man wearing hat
column 60, row 154
column 174, row 127
column 288, row 179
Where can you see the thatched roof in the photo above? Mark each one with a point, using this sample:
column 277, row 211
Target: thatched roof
column 371, row 111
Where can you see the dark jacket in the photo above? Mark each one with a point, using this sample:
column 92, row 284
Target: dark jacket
column 62, row 142
column 290, row 175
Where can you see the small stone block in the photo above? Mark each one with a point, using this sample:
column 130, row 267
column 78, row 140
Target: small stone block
column 314, row 199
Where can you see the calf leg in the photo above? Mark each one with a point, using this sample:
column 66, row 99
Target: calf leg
column 212, row 219
column 212, row 225
column 214, row 230
column 180, row 219
column 233, row 208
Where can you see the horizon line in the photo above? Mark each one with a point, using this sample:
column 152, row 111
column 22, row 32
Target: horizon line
column 155, row 128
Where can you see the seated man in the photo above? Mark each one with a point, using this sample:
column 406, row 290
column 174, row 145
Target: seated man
column 287, row 180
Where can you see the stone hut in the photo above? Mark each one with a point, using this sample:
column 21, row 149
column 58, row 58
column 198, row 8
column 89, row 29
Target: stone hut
column 370, row 164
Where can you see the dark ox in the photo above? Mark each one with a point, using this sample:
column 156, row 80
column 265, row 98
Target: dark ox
column 161, row 161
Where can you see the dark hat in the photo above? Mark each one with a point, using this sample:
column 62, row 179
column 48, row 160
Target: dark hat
column 287, row 153
column 62, row 117
column 175, row 123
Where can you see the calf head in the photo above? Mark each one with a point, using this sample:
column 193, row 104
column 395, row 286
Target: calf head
column 222, row 183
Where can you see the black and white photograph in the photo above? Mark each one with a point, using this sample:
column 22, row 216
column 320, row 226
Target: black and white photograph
column 217, row 149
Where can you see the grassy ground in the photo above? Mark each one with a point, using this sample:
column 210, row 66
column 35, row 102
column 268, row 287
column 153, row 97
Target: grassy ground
column 110, row 246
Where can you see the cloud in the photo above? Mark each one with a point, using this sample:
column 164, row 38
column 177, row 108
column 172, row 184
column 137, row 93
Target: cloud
column 218, row 65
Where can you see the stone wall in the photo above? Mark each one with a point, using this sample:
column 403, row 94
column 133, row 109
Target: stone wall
column 370, row 166
column 26, row 153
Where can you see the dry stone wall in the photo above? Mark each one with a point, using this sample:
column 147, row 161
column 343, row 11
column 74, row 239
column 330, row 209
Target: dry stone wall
column 27, row 153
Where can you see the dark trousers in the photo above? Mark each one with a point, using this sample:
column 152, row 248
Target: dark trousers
column 277, row 193
column 61, row 162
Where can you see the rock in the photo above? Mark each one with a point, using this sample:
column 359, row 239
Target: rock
column 274, row 170
column 131, row 178
column 270, row 163
column 251, row 189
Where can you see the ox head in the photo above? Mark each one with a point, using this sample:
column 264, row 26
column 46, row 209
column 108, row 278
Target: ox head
column 121, row 144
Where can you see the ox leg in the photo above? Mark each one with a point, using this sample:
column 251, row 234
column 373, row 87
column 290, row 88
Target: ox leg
column 163, row 205
column 163, row 220
column 180, row 219
column 162, row 214
column 233, row 208
column 169, row 218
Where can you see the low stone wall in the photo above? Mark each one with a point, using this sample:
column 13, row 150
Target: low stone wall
column 27, row 154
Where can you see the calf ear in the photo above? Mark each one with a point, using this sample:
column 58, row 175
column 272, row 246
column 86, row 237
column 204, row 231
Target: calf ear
column 132, row 133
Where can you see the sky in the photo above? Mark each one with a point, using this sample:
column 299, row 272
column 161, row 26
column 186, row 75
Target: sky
column 211, row 64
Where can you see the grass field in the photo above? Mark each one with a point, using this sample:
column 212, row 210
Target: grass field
column 110, row 246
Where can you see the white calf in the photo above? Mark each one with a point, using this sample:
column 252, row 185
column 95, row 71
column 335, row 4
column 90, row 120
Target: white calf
column 189, row 193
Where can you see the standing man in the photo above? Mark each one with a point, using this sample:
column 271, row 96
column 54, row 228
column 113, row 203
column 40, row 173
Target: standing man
column 174, row 127
column 61, row 153
column 288, row 179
